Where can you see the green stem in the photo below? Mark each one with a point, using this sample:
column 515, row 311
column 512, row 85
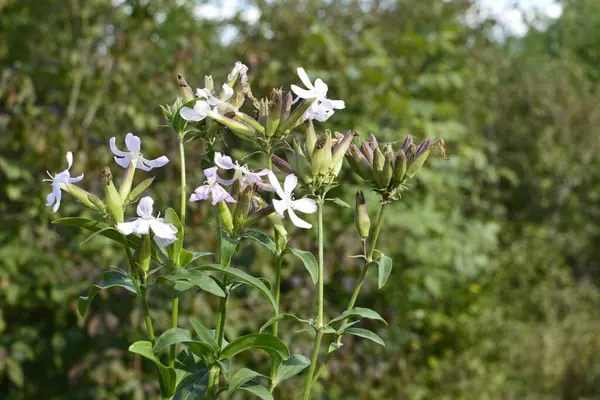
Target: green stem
column 277, row 295
column 183, row 198
column 142, row 291
column 361, row 279
column 320, row 321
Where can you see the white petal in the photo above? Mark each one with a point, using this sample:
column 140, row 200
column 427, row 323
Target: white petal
column 69, row 159
column 57, row 197
column 140, row 165
column 201, row 193
column 275, row 183
column 321, row 88
column 113, row 148
column 300, row 223
column 75, row 180
column 305, row 205
column 203, row 93
column 50, row 199
column 202, row 108
column 190, row 115
column 303, row 93
column 280, row 206
column 143, row 226
column 163, row 230
column 252, row 177
column 144, row 208
column 223, row 162
column 127, row 228
column 304, row 78
column 262, row 172
column 290, row 183
column 133, row 143
column 163, row 242
column 124, row 162
column 156, row 163
column 220, row 194
column 227, row 92
column 334, row 104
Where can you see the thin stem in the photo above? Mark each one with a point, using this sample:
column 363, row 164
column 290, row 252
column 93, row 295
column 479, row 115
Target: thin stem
column 320, row 320
column 142, row 291
column 183, row 183
column 277, row 295
column 359, row 283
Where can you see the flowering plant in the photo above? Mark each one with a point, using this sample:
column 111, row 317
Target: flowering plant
column 198, row 364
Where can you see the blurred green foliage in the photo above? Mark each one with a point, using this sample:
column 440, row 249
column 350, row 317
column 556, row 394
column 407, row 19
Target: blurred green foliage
column 494, row 293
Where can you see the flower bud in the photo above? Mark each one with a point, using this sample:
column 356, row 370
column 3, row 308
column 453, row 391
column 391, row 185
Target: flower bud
column 388, row 166
column 408, row 141
column 274, row 112
column 373, row 142
column 321, row 158
column 242, row 207
column 286, row 107
column 86, row 198
column 367, row 151
column 263, row 113
column 113, row 200
column 420, row 157
column 400, row 166
column 125, row 188
column 296, row 115
column 282, row 164
column 186, row 91
column 359, row 162
column 361, row 216
column 311, row 138
column 341, row 147
column 241, row 130
column 378, row 160
column 225, row 216
column 299, row 162
column 145, row 253
column 249, row 121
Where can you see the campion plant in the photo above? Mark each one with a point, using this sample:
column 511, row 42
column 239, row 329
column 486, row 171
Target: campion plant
column 197, row 364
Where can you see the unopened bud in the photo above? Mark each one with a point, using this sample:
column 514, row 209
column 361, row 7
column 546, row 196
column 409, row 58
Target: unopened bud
column 361, row 216
column 378, row 160
column 86, row 198
column 373, row 142
column 400, row 166
column 241, row 130
column 113, row 200
column 322, row 156
column 184, row 89
column 225, row 216
column 311, row 138
column 341, row 147
column 388, row 169
column 408, row 141
column 242, row 207
column 367, row 151
column 420, row 157
column 286, row 107
column 299, row 162
column 282, row 164
column 274, row 112
column 248, row 120
column 263, row 113
column 296, row 115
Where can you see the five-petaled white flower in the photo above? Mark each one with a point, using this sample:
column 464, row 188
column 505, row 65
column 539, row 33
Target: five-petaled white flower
column 134, row 156
column 211, row 189
column 287, row 202
column 241, row 172
column 322, row 108
column 58, row 181
column 164, row 233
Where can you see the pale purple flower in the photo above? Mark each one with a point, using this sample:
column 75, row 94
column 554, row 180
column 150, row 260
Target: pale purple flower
column 58, row 182
column 241, row 172
column 322, row 108
column 211, row 189
column 134, row 156
column 164, row 233
column 287, row 202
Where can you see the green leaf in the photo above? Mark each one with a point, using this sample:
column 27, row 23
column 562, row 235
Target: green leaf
column 242, row 376
column 170, row 337
column 258, row 390
column 168, row 374
column 203, row 350
column 359, row 312
column 226, row 249
column 261, row 238
column 192, row 387
column 186, row 257
column 98, row 232
column 174, row 249
column 365, row 333
column 281, row 317
column 333, row 347
column 112, row 278
column 197, row 278
column 269, row 343
column 139, row 189
column 384, row 269
column 346, row 326
column 340, row 202
column 290, row 367
column 309, row 261
column 241, row 275
column 203, row 333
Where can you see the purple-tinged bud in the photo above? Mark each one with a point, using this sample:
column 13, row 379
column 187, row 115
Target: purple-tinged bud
column 311, row 138
column 367, row 151
column 363, row 166
column 274, row 114
column 342, row 147
column 388, row 166
column 408, row 141
column 373, row 142
column 400, row 166
column 263, row 114
column 186, row 91
column 282, row 164
column 296, row 116
column 286, row 107
column 361, row 216
column 420, row 157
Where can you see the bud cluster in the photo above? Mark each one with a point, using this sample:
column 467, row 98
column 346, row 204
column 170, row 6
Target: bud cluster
column 387, row 170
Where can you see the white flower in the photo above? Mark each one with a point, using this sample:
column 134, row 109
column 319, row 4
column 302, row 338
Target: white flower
column 134, row 156
column 211, row 189
column 58, row 182
column 287, row 202
column 322, row 108
column 241, row 69
column 241, row 172
column 164, row 233
column 208, row 105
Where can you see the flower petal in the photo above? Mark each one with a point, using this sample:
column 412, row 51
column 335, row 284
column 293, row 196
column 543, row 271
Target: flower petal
column 321, row 88
column 290, row 183
column 275, row 183
column 57, row 197
column 304, row 78
column 127, row 228
column 114, row 149
column 223, row 162
column 143, row 226
column 50, row 199
column 190, row 115
column 69, row 159
column 75, row 180
column 305, row 205
column 163, row 230
column 227, row 92
column 163, row 243
column 334, row 104
column 139, row 164
column 144, row 208
column 133, row 143
column 280, row 206
column 218, row 193
column 303, row 93
column 124, row 161
column 156, row 163
column 201, row 193
column 300, row 223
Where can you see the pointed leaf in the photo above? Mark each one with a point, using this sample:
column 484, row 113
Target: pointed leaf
column 290, row 367
column 365, row 333
column 112, row 278
column 203, row 333
column 359, row 312
column 226, row 249
column 168, row 375
column 334, row 346
column 174, row 249
column 339, row 202
column 192, row 387
column 170, row 337
column 186, row 257
column 261, row 238
column 309, row 261
column 241, row 275
column 195, row 277
column 242, row 376
column 383, row 270
column 258, row 390
column 281, row 317
column 145, row 184
column 269, row 343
